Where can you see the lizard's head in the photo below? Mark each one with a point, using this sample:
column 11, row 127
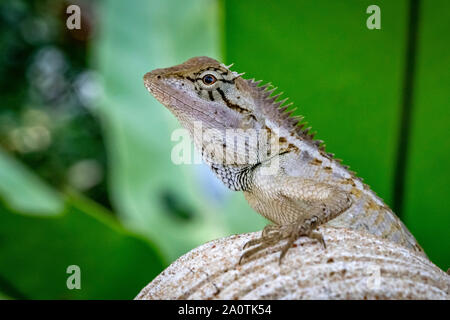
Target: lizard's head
column 206, row 92
column 203, row 89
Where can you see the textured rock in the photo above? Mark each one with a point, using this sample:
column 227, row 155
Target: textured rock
column 354, row 266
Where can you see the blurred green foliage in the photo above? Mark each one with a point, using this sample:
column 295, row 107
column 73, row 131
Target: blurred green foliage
column 24, row 191
column 48, row 91
column 347, row 81
column 80, row 132
column 36, row 248
column 334, row 69
column 427, row 197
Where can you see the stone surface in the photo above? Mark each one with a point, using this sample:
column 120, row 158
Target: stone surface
column 353, row 266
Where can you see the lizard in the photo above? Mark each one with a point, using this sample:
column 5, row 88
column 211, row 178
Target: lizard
column 253, row 143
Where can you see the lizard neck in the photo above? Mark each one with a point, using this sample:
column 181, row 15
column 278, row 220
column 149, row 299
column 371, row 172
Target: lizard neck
column 236, row 178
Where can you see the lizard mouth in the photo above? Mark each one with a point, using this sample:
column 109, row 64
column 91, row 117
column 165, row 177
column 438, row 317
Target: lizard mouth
column 157, row 91
column 162, row 92
column 171, row 99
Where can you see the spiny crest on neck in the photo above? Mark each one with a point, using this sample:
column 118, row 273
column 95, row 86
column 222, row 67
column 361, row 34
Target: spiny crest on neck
column 281, row 113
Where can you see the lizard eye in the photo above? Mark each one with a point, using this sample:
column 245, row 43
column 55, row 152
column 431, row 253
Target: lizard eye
column 209, row 79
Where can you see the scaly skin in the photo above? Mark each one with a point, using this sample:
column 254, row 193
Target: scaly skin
column 285, row 174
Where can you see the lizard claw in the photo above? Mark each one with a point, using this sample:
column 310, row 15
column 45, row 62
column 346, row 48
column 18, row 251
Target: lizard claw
column 294, row 236
column 252, row 242
column 274, row 233
column 318, row 236
column 268, row 229
column 264, row 243
column 268, row 232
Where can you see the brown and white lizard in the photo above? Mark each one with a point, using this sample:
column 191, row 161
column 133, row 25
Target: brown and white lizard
column 254, row 145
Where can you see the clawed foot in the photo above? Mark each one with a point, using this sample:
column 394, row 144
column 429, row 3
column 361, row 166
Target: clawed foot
column 272, row 234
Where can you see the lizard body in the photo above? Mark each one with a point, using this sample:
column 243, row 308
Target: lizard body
column 253, row 144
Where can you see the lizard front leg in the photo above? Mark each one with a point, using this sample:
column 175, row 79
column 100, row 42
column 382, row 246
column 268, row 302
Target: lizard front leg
column 297, row 206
